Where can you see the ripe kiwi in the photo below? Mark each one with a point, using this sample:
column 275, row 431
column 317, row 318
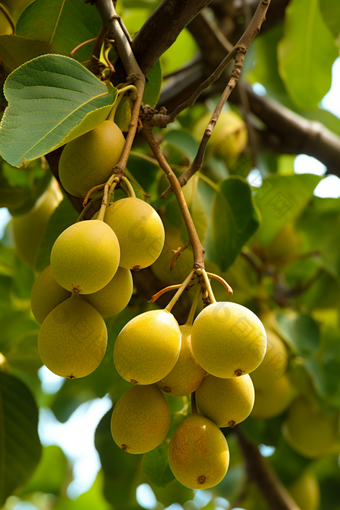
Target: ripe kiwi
column 85, row 257
column 187, row 374
column 46, row 295
column 72, row 339
column 228, row 340
column 115, row 296
column 198, row 453
column 89, row 159
column 141, row 419
column 139, row 230
column 148, row 347
column 226, row 402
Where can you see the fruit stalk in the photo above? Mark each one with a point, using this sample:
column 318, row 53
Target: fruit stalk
column 193, row 236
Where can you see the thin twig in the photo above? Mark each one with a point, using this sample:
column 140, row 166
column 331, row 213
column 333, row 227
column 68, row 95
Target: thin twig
column 238, row 53
column 81, row 45
column 221, row 280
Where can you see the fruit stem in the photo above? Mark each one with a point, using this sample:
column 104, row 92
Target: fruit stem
column 131, row 191
column 191, row 315
column 104, row 204
column 180, row 291
column 208, row 295
column 84, row 211
column 8, row 17
column 120, row 94
column 221, row 280
column 193, row 403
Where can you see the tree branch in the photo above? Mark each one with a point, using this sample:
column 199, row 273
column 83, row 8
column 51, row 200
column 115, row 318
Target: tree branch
column 264, row 476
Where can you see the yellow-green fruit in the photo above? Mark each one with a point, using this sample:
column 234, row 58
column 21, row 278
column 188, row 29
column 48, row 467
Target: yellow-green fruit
column 198, row 453
column 306, row 491
column 72, row 339
column 184, row 264
column 274, row 363
column 141, row 419
column 115, row 296
column 228, row 340
column 89, row 159
column 148, row 347
column 139, row 230
column 229, row 137
column 187, row 374
column 46, row 295
column 274, row 399
column 29, row 229
column 85, row 257
column 308, row 430
column 226, row 402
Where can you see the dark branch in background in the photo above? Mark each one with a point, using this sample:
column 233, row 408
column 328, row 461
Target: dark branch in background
column 272, row 490
column 237, row 53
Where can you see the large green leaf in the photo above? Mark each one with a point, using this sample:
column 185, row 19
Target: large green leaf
column 300, row 332
column 58, row 99
column 234, row 221
column 65, row 24
column 89, row 500
column 15, row 50
column 119, row 468
column 20, row 447
column 282, row 198
column 153, row 85
column 306, row 53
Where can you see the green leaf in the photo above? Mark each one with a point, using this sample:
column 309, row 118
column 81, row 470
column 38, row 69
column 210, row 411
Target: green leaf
column 280, row 199
column 15, row 50
column 46, row 479
column 63, row 24
column 58, row 99
column 330, row 10
column 20, row 447
column 301, row 333
column 306, row 54
column 183, row 141
column 63, row 216
column 119, row 468
column 153, row 85
column 24, row 354
column 156, row 466
column 234, row 221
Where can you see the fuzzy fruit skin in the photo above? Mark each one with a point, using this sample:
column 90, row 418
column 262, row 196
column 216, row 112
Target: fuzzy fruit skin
column 139, row 230
column 89, row 159
column 115, row 296
column 187, row 374
column 85, row 257
column 306, row 491
column 274, row 363
column 72, row 339
column 198, row 453
column 226, row 402
column 46, row 295
column 228, row 340
column 141, row 419
column 274, row 399
column 148, row 347
column 229, row 137
column 308, row 430
column 29, row 228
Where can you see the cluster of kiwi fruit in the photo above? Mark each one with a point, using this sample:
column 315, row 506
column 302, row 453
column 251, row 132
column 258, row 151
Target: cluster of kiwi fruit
column 89, row 276
column 212, row 357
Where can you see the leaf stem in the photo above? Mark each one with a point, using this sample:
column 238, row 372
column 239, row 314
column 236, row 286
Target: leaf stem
column 221, row 280
column 180, row 291
column 131, row 191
